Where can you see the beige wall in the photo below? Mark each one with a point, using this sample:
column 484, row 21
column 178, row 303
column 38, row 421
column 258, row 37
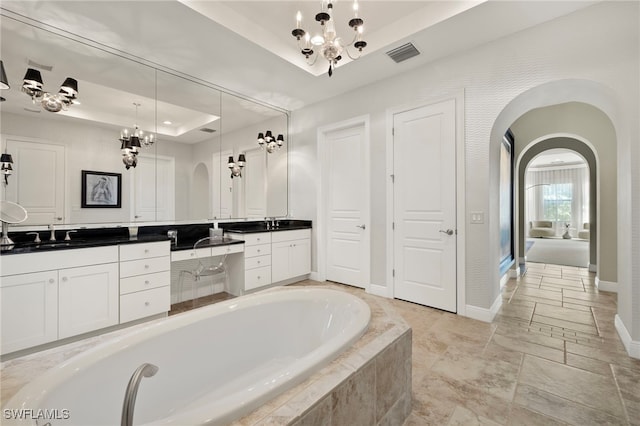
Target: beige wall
column 591, row 125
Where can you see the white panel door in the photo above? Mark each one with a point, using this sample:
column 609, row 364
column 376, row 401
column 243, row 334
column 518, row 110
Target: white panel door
column 346, row 206
column 222, row 201
column 254, row 177
column 153, row 189
column 37, row 182
column 425, row 205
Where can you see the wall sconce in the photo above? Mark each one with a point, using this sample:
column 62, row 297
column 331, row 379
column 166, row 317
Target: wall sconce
column 32, row 85
column 6, row 161
column 236, row 168
column 4, row 82
column 267, row 140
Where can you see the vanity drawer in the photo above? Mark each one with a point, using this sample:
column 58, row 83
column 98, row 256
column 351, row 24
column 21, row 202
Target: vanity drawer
column 145, row 266
column 144, row 303
column 260, row 250
column 255, row 239
column 297, row 234
column 145, row 282
column 228, row 249
column 258, row 277
column 257, row 262
column 190, row 254
column 144, row 250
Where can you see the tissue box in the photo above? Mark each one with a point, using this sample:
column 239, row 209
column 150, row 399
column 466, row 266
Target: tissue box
column 215, row 233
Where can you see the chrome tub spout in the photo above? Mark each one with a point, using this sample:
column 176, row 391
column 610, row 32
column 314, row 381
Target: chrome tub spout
column 145, row 370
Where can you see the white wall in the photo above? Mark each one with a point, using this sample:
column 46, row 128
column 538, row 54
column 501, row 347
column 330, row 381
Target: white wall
column 597, row 44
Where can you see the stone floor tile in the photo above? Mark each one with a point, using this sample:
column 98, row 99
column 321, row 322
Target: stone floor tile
column 629, row 384
column 606, row 353
column 541, row 295
column 588, row 364
column 463, row 417
column 573, row 413
column 528, row 348
column 571, row 315
column 580, row 386
column 520, row 416
column 563, row 324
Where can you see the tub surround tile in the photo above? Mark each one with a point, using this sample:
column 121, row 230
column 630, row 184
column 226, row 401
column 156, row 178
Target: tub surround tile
column 353, row 402
column 320, row 415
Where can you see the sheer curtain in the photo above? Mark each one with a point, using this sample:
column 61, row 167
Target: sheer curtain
column 539, row 181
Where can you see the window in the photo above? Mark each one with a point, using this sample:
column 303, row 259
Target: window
column 556, row 202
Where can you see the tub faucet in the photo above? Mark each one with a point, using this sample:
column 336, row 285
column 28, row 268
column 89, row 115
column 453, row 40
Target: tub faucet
column 145, row 370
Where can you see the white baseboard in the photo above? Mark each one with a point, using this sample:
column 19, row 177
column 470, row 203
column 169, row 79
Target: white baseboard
column 315, row 276
column 380, row 290
column 482, row 314
column 632, row 347
column 504, row 279
column 514, row 273
column 593, row 267
column 606, row 285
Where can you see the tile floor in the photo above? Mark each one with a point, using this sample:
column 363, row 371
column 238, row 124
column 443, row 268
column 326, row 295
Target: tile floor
column 552, row 356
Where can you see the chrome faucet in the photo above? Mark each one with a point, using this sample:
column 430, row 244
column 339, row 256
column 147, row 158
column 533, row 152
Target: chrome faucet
column 52, row 237
column 67, row 237
column 145, row 370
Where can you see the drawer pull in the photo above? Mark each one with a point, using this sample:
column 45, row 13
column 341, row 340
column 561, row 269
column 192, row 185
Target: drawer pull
column 192, row 254
column 258, row 276
column 64, row 279
column 258, row 250
column 146, row 266
column 146, row 303
column 146, row 282
column 258, row 261
column 146, row 251
column 258, row 239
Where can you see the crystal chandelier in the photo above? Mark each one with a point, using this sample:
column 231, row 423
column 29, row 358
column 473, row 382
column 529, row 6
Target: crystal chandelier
column 132, row 141
column 329, row 45
column 32, row 85
column 266, row 140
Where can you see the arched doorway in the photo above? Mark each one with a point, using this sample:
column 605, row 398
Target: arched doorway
column 522, row 189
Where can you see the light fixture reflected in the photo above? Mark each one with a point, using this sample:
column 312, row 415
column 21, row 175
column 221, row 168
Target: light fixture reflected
column 266, row 140
column 236, row 168
column 132, row 141
column 4, row 82
column 33, row 86
column 5, row 166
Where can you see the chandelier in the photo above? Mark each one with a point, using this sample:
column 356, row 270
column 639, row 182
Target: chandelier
column 32, row 85
column 266, row 140
column 329, row 45
column 132, row 141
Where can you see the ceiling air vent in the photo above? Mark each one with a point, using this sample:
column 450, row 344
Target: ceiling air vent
column 208, row 130
column 403, row 52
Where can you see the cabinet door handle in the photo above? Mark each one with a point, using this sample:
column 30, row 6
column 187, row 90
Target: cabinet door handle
column 146, row 303
column 51, row 281
column 58, row 218
column 258, row 276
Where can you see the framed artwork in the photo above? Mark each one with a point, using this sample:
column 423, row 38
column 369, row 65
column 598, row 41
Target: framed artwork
column 101, row 189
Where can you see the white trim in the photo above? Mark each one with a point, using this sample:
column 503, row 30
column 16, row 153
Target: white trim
column 593, row 267
column 606, row 285
column 381, row 290
column 315, row 276
column 482, row 314
column 458, row 97
column 504, row 278
column 632, row 347
column 360, row 121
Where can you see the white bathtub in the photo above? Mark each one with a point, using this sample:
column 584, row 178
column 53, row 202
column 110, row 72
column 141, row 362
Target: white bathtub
column 215, row 364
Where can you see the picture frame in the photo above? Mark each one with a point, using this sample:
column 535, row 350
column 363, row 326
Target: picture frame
column 101, row 189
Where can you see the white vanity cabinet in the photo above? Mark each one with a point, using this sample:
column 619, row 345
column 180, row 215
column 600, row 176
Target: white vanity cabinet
column 257, row 260
column 145, row 280
column 29, row 304
column 88, row 299
column 290, row 254
column 51, row 295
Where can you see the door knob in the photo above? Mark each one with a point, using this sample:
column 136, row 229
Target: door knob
column 448, row 231
column 361, row 226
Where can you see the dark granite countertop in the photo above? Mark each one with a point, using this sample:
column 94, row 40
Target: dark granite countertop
column 187, row 236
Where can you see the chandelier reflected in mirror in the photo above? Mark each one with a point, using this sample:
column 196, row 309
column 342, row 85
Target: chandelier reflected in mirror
column 132, row 141
column 328, row 44
column 33, row 86
column 267, row 141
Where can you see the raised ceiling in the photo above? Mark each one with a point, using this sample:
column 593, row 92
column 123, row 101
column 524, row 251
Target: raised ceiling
column 247, row 47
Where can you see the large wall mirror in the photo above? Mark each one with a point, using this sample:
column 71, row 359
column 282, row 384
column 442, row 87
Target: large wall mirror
column 183, row 176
